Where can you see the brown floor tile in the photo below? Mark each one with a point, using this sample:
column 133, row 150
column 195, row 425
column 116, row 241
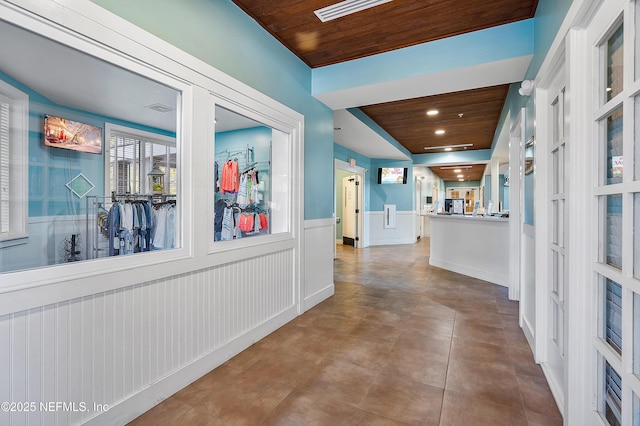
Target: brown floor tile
column 436, row 344
column 368, row 330
column 524, row 364
column 163, row 414
column 339, row 381
column 301, row 408
column 537, row 396
column 365, row 353
column 404, row 401
column 417, row 365
column 475, row 351
column 479, row 331
column 199, row 418
column 246, row 401
column 461, row 410
column 429, row 325
column 286, row 367
column 497, row 385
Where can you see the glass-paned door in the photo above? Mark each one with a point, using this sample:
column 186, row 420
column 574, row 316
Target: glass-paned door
column 557, row 250
column 616, row 191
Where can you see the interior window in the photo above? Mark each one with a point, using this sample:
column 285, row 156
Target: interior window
column 98, row 136
column 251, row 175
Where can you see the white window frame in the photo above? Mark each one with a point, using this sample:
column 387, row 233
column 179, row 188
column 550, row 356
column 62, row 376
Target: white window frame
column 142, row 135
column 17, row 163
column 284, row 151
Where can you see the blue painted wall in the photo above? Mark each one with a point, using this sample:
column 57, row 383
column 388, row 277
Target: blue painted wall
column 219, row 33
column 400, row 195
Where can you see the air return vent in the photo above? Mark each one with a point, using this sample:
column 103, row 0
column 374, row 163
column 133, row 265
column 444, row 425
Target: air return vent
column 345, row 8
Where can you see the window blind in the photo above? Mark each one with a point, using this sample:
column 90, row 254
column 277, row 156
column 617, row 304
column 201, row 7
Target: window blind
column 5, row 193
column 613, row 310
column 132, row 157
column 613, row 396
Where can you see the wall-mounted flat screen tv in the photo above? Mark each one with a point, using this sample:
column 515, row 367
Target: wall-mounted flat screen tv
column 62, row 133
column 392, row 175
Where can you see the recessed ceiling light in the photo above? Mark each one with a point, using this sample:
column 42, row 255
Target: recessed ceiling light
column 460, row 180
column 432, row 112
column 457, row 170
column 455, row 167
column 460, row 176
column 439, row 132
column 448, row 148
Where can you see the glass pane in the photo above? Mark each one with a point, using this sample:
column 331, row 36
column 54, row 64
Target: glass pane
column 636, row 409
column 251, row 173
column 636, row 235
column 555, row 164
column 613, row 231
column 558, row 326
column 72, row 214
column 613, row 315
column 637, row 137
column 555, row 211
column 612, row 395
column 556, row 271
column 636, row 334
column 615, row 62
column 613, row 160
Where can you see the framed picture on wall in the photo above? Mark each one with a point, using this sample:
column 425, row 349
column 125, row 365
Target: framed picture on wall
column 62, row 133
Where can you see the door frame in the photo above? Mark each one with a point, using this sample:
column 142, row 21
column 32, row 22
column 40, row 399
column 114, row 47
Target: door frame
column 363, row 231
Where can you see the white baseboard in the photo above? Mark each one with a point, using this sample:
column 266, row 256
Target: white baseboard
column 502, row 280
column 394, row 241
column 529, row 333
column 139, row 403
column 556, row 389
column 318, row 297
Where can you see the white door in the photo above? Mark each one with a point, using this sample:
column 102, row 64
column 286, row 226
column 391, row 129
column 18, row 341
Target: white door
column 350, row 210
column 418, row 208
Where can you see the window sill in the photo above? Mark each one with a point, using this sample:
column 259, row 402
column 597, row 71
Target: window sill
column 14, row 241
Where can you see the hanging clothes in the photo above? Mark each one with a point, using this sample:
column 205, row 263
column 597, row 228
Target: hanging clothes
column 243, row 192
column 216, row 177
column 230, row 177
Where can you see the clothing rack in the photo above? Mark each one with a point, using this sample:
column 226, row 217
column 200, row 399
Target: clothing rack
column 98, row 244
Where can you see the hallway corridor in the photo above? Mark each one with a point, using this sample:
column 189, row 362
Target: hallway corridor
column 400, row 342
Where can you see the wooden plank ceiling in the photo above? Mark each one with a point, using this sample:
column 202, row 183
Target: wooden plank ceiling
column 469, row 172
column 390, row 26
column 467, row 117
column 394, row 25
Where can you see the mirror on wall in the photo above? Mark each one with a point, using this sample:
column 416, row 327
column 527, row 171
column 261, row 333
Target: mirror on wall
column 95, row 135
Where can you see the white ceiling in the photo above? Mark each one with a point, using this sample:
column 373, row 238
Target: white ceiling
column 352, row 133
column 74, row 79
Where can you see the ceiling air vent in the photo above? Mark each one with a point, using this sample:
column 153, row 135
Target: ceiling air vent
column 159, row 107
column 345, row 8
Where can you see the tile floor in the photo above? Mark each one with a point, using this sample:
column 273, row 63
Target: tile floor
column 399, row 343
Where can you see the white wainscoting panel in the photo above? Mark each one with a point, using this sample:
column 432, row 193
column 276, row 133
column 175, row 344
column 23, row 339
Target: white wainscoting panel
column 528, row 284
column 109, row 348
column 402, row 233
column 319, row 241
